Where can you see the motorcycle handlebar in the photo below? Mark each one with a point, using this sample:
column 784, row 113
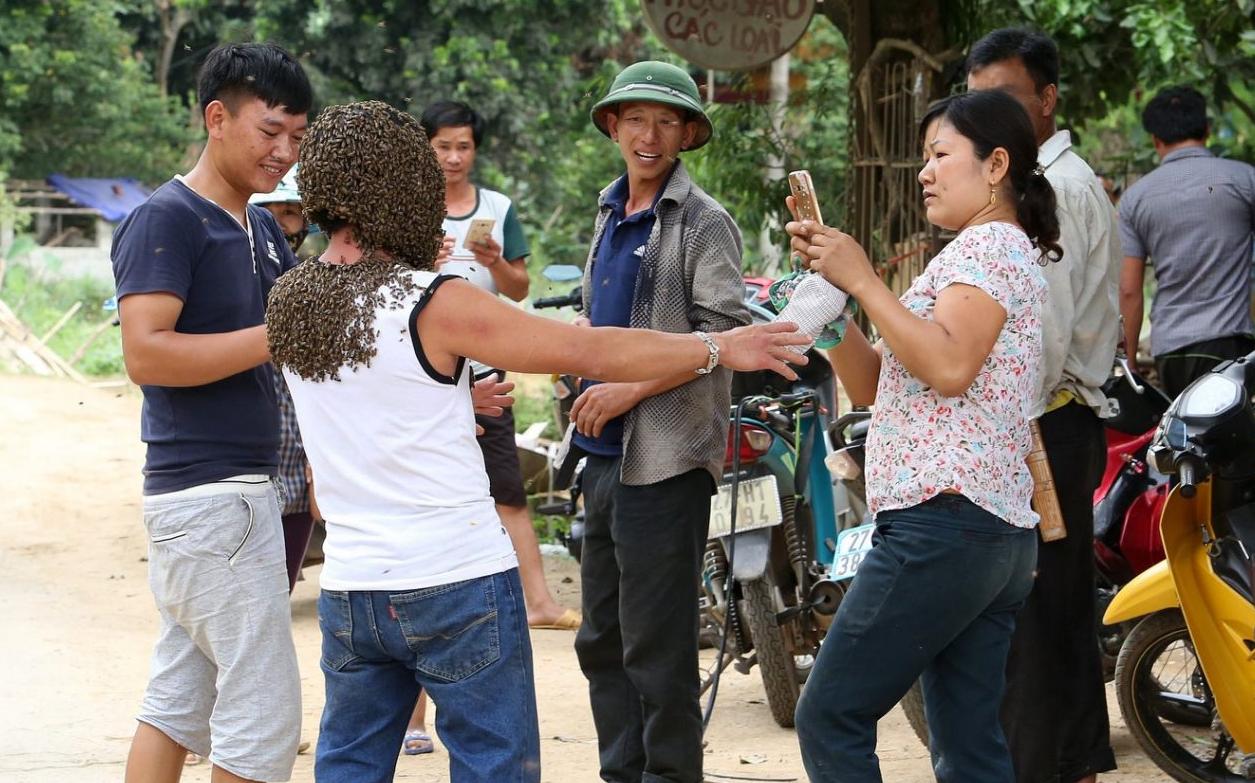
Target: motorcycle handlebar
column 1186, row 471
column 796, row 398
column 573, row 299
column 779, row 420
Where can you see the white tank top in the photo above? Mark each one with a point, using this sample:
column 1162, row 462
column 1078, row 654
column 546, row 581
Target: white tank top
column 398, row 474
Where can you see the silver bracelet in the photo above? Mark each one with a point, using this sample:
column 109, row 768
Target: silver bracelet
column 713, row 361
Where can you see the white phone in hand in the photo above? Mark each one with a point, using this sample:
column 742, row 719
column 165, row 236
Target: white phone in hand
column 480, row 230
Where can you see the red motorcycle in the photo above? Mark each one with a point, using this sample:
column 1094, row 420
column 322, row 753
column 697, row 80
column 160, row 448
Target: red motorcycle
column 1129, row 500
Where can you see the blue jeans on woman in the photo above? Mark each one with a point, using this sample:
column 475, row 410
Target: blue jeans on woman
column 466, row 643
column 935, row 598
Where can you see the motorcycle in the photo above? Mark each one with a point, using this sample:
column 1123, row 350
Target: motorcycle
column 1129, row 500
column 766, row 598
column 565, row 391
column 768, row 580
column 1185, row 673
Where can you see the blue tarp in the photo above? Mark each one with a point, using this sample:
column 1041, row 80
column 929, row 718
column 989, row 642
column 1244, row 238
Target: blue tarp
column 113, row 198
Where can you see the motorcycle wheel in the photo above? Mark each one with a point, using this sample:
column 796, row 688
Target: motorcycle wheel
column 1167, row 704
column 1110, row 637
column 781, row 678
column 913, row 705
column 1188, row 715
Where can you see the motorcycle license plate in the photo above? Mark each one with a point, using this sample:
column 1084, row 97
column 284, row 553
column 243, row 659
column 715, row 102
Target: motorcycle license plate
column 757, row 506
column 852, row 546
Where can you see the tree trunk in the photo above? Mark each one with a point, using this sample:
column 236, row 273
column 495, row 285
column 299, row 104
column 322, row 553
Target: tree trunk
column 863, row 23
column 173, row 19
column 773, row 171
column 895, row 56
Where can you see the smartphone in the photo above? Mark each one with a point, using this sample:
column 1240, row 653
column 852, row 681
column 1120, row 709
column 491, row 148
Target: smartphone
column 804, row 196
column 480, row 230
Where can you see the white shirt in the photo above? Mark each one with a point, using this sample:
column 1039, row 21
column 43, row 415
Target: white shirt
column 488, row 204
column 400, row 477
column 462, row 262
column 1081, row 321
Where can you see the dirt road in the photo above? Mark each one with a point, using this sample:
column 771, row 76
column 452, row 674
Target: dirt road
column 80, row 621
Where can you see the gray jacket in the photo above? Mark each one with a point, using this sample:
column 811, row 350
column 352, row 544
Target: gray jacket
column 689, row 280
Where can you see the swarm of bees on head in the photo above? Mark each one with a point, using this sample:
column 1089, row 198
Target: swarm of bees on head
column 369, row 167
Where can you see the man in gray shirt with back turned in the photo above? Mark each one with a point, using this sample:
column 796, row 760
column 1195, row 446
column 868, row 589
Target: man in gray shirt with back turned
column 1193, row 217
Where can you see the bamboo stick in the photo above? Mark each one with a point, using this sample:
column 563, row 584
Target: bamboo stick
column 61, row 322
column 91, row 338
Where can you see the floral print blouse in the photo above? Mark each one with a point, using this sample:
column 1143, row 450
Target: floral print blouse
column 921, row 443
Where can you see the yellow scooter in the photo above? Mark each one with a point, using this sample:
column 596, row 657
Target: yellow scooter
column 1185, row 676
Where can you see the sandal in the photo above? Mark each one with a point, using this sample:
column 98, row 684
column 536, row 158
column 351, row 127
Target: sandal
column 569, row 621
column 417, row 742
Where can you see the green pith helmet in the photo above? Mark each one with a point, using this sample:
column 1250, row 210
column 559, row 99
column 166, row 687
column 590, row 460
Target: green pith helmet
column 656, row 82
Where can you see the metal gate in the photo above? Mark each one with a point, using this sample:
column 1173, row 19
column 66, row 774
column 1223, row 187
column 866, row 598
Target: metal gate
column 891, row 93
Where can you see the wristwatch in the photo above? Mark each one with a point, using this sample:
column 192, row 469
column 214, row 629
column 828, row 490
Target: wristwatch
column 713, row 347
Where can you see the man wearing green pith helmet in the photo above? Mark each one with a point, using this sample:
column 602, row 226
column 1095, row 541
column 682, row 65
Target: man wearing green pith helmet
column 666, row 256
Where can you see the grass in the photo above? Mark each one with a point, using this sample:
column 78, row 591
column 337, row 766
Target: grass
column 532, row 403
column 39, row 301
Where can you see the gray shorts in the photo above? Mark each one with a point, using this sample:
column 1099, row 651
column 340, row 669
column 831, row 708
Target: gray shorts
column 224, row 680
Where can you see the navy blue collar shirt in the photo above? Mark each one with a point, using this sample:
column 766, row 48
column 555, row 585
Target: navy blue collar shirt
column 615, row 267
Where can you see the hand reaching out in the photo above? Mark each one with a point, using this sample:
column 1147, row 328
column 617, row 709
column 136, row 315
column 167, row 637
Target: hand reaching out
column 491, row 397
column 762, row 347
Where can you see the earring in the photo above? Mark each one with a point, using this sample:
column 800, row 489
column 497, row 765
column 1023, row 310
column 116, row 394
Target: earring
column 993, row 196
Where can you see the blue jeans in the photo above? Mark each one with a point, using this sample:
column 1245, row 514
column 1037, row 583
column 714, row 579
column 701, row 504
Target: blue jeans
column 936, row 597
column 465, row 643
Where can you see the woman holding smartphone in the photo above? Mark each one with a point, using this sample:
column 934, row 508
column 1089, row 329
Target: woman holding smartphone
column 951, row 379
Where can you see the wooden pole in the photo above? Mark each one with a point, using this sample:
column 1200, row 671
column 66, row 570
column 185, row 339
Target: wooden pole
column 62, row 321
column 91, row 338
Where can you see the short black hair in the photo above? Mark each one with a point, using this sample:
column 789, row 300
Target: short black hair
column 255, row 70
column 1036, row 50
column 452, row 114
column 1176, row 114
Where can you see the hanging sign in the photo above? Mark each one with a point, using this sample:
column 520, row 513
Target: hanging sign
column 729, row 35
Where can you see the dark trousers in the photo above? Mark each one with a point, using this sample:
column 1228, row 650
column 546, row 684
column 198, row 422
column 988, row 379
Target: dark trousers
column 1055, row 709
column 1178, row 369
column 297, row 530
column 936, row 597
column 637, row 644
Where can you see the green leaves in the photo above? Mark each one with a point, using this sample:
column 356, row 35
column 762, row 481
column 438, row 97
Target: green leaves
column 74, row 98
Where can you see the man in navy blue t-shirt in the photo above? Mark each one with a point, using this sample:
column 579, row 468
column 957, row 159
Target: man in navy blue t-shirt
column 193, row 267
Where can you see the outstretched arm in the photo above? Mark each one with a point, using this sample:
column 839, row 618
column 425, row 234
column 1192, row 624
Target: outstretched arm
column 462, row 320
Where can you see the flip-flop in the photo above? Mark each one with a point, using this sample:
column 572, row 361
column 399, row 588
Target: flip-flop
column 417, row 742
column 569, row 621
